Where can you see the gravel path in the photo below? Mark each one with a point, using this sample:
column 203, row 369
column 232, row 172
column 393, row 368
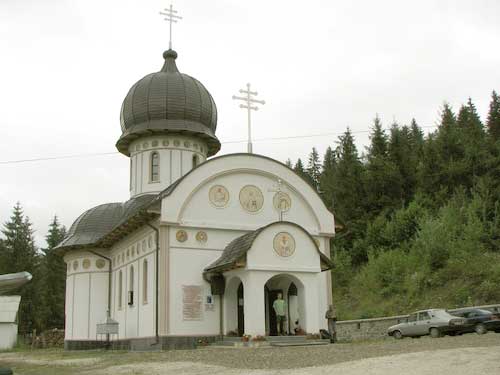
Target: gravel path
column 471, row 354
column 462, row 361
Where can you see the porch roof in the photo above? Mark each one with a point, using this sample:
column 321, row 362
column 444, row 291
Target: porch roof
column 234, row 254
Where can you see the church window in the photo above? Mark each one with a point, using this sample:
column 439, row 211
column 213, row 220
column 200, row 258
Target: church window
column 130, row 183
column 195, row 161
column 145, row 281
column 131, row 287
column 120, row 289
column 155, row 167
column 143, row 245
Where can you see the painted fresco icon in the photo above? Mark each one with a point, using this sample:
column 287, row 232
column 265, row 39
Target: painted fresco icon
column 201, row 237
column 284, row 244
column 282, row 201
column 181, row 235
column 219, row 196
column 251, row 198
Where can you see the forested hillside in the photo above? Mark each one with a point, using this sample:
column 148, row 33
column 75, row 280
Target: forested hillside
column 420, row 214
column 420, row 218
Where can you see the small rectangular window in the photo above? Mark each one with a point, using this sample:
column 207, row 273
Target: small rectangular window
column 145, row 282
column 120, row 289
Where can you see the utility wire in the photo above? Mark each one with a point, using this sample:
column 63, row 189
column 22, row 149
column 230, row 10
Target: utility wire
column 226, row 142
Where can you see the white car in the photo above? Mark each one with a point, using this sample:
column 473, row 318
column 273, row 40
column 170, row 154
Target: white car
column 433, row 322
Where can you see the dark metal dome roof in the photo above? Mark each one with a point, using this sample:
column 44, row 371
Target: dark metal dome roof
column 94, row 224
column 168, row 102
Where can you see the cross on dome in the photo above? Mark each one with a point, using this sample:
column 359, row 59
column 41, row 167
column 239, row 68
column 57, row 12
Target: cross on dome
column 172, row 17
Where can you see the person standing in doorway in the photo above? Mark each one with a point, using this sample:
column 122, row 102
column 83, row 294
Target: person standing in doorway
column 279, row 306
column 331, row 316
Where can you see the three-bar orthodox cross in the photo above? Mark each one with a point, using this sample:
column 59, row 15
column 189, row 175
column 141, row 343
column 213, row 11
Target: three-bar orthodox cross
column 172, row 17
column 249, row 100
column 278, row 190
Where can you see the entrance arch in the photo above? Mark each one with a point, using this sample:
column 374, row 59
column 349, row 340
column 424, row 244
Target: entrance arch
column 234, row 307
column 293, row 292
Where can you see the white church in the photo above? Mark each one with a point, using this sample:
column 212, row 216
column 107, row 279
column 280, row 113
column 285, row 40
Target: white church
column 204, row 244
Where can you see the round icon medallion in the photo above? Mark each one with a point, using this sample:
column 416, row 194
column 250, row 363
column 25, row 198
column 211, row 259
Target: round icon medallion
column 284, row 244
column 282, row 201
column 86, row 264
column 181, row 235
column 251, row 198
column 100, row 263
column 219, row 196
column 201, row 237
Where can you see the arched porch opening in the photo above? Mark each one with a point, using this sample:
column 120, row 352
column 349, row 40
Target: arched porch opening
column 233, row 308
column 293, row 293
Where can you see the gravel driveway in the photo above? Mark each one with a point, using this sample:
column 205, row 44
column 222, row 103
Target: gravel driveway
column 468, row 354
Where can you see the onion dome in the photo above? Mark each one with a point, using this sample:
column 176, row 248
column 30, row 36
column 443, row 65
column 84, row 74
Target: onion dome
column 168, row 102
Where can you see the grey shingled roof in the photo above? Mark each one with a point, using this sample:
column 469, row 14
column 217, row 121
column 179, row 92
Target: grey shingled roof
column 237, row 249
column 168, row 102
column 93, row 225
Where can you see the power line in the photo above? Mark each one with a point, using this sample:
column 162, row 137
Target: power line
column 58, row 157
column 226, row 142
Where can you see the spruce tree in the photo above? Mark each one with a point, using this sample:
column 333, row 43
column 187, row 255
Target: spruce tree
column 301, row 171
column 493, row 121
column 347, row 176
column 19, row 254
column 53, row 280
column 314, row 168
column 378, row 140
column 327, row 181
column 288, row 163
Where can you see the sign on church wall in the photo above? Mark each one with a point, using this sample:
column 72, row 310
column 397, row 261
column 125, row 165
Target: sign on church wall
column 192, row 302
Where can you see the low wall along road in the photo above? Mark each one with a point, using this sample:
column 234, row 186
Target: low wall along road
column 362, row 329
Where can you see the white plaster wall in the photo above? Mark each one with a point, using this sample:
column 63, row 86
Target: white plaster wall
column 8, row 335
column 262, row 255
column 189, row 203
column 68, row 326
column 187, row 261
column 86, row 294
column 176, row 158
column 137, row 320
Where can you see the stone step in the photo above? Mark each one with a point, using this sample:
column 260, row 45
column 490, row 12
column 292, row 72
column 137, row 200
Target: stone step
column 301, row 343
column 286, row 338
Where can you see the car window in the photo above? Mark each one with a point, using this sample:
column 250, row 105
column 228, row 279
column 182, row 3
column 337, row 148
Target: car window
column 483, row 312
column 412, row 318
column 424, row 316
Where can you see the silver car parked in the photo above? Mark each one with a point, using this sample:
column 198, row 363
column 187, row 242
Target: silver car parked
column 434, row 322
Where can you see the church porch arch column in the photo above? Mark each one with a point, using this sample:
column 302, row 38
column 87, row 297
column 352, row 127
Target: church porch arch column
column 254, row 306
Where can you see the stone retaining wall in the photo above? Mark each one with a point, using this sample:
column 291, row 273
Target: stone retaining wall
column 362, row 329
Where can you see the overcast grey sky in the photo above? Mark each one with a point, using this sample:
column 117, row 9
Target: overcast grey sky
column 321, row 66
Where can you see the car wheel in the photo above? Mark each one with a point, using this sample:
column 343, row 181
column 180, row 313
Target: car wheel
column 397, row 335
column 434, row 332
column 480, row 329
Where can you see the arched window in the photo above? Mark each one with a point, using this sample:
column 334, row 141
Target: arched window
column 120, row 289
column 195, row 161
column 130, row 183
column 131, row 287
column 155, row 167
column 145, row 281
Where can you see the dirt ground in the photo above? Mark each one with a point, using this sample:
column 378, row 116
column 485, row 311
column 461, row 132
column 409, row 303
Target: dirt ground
column 468, row 354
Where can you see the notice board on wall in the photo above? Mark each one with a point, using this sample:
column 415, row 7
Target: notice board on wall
column 192, row 302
